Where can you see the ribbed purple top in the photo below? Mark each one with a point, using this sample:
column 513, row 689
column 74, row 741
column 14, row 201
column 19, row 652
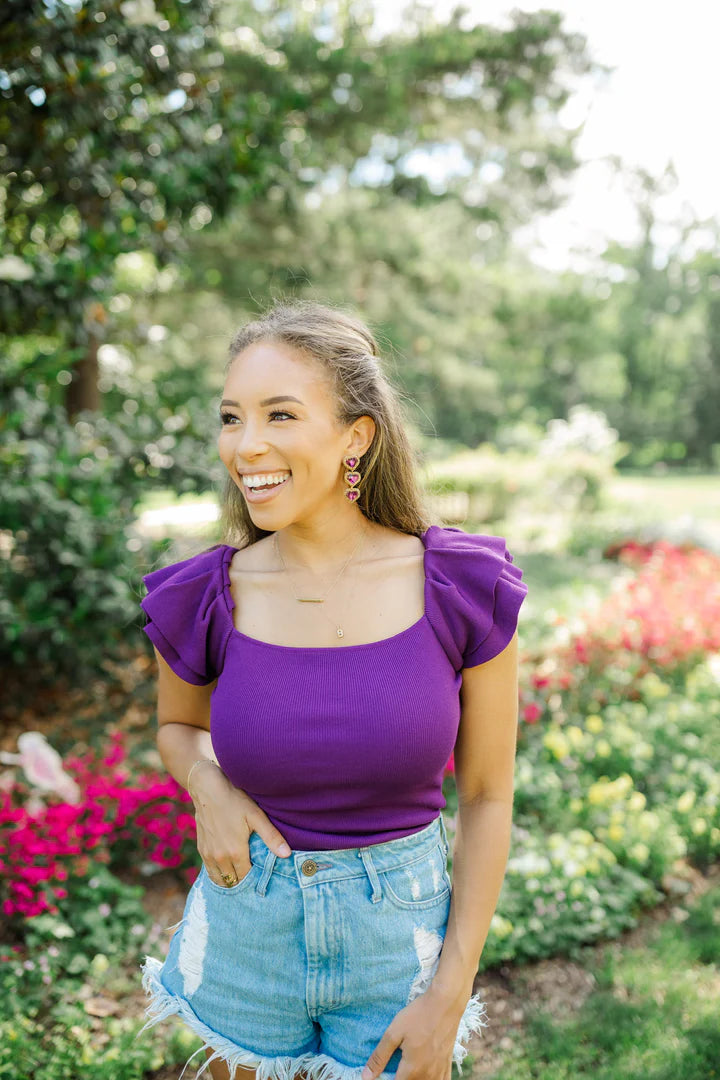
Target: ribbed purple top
column 341, row 745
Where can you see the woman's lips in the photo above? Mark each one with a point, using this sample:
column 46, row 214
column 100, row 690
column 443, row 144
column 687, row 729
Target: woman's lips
column 263, row 496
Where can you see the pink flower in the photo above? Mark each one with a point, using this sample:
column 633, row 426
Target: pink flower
column 43, row 768
column 532, row 712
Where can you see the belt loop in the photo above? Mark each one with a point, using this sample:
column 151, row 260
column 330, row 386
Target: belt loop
column 372, row 874
column 268, row 868
column 443, row 832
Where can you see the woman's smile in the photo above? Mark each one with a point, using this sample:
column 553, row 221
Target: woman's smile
column 265, row 494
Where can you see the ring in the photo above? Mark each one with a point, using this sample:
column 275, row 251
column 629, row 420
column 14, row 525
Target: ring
column 229, row 879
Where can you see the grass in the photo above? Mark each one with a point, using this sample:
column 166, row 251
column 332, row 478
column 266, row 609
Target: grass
column 652, row 1016
column 681, row 494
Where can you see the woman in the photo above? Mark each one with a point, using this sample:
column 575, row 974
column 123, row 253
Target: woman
column 315, row 676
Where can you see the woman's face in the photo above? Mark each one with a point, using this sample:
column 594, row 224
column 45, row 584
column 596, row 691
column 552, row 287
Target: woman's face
column 293, row 433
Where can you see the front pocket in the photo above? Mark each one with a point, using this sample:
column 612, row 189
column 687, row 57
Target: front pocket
column 231, row 890
column 422, row 882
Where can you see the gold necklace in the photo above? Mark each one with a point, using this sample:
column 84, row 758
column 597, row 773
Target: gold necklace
column 319, row 599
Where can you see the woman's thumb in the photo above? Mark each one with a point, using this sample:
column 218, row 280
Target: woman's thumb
column 276, row 841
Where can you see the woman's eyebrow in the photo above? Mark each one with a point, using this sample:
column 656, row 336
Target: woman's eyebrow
column 267, row 401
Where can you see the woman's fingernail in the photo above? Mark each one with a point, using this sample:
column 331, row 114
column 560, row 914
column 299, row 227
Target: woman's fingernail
column 366, row 1073
column 284, row 849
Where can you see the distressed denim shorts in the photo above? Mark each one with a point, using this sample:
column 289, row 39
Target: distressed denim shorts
column 303, row 964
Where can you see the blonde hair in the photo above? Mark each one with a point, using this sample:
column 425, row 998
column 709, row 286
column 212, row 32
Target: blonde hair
column 347, row 352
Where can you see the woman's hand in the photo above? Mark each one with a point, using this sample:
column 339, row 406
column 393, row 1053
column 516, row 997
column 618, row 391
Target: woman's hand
column 425, row 1030
column 225, row 816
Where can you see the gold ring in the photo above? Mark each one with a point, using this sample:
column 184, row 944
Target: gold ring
column 229, row 879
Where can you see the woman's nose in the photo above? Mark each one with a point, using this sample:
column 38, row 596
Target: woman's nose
column 248, row 441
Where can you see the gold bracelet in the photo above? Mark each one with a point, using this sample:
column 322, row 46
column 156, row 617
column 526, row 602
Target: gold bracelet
column 194, row 764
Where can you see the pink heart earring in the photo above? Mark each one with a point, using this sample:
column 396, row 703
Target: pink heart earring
column 352, row 478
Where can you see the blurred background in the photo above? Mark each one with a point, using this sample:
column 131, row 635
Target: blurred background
column 520, row 201
column 524, row 204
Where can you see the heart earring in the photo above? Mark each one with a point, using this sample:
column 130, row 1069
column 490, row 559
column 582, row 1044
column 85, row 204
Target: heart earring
column 352, row 477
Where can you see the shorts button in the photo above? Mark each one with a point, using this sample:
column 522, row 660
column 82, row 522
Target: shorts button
column 309, row 867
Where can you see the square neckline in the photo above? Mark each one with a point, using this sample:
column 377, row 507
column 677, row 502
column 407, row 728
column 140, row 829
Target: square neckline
column 230, row 602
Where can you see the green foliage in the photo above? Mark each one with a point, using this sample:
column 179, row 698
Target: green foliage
column 65, row 1014
column 652, row 1011
column 123, row 125
column 131, row 127
column 100, row 917
column 702, row 930
column 93, row 109
column 69, row 578
column 607, row 808
column 515, row 483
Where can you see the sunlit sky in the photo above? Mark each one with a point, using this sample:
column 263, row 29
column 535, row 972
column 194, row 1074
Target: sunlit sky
column 660, row 103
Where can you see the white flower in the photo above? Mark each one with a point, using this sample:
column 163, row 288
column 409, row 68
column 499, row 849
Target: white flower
column 13, row 268
column 43, row 768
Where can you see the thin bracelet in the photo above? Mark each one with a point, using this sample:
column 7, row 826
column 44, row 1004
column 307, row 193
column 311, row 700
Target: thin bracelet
column 194, row 764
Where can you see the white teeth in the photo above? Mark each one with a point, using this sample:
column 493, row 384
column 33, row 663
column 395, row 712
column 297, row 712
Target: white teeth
column 261, row 480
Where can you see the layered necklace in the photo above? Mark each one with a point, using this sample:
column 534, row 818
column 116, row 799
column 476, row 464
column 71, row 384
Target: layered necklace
column 321, row 599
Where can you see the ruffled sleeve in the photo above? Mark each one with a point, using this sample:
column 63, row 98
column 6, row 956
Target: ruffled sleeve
column 475, row 593
column 188, row 619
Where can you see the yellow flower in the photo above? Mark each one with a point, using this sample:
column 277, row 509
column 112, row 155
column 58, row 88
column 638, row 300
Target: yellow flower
column 616, row 831
column 575, row 735
column 597, row 792
column 576, row 806
column 640, row 852
column 557, row 744
column 603, row 748
column 637, row 801
column 654, row 687
column 686, row 802
column 576, row 888
column 608, row 855
column 594, row 723
column 648, row 822
column 501, row 927
column 99, row 964
column 581, row 836
column 699, row 826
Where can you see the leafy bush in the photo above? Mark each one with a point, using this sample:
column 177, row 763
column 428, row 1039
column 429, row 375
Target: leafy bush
column 69, row 560
column 516, row 483
column 50, row 841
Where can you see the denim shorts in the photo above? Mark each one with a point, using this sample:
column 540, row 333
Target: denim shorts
column 303, row 964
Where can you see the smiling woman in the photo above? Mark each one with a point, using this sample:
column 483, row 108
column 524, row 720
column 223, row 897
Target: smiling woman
column 332, row 630
column 271, row 453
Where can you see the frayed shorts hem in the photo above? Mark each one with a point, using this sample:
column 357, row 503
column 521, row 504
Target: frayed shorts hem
column 316, row 1066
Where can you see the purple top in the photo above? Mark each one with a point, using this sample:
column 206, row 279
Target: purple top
column 341, row 746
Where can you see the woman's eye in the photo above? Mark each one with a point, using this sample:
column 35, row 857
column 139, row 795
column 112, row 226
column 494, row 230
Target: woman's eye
column 225, row 417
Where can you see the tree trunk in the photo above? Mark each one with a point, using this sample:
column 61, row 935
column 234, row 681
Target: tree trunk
column 83, row 392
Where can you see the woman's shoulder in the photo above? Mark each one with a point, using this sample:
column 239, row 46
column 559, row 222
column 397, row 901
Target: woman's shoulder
column 188, row 614
column 476, row 590
column 203, row 564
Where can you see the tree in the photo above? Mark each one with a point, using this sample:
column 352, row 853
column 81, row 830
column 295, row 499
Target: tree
column 130, row 124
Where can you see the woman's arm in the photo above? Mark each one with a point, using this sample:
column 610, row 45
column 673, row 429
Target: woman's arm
column 484, row 758
column 183, row 736
column 225, row 815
